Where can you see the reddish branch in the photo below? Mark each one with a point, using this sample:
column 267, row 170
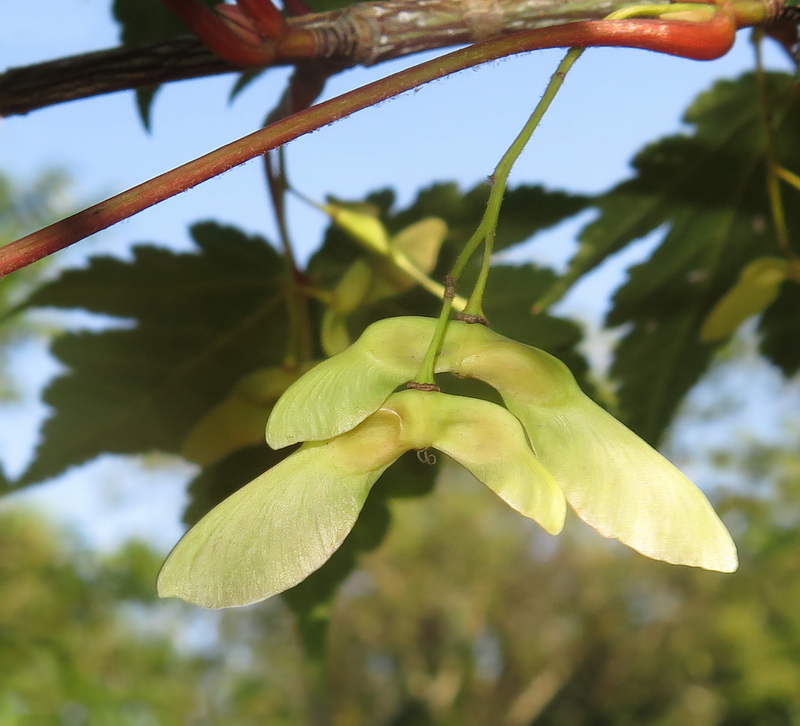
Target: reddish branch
column 365, row 33
column 696, row 40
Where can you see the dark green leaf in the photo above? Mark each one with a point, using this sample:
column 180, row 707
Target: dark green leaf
column 526, row 210
column 780, row 328
column 5, row 485
column 244, row 80
column 511, row 291
column 23, row 209
column 144, row 102
column 709, row 189
column 202, row 321
column 145, row 21
column 319, row 6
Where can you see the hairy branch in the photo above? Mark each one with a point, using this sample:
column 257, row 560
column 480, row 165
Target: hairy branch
column 362, row 34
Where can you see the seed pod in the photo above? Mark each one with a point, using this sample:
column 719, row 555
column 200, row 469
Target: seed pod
column 275, row 531
column 285, row 524
column 420, row 243
column 615, row 481
column 353, row 288
column 489, row 442
column 342, row 391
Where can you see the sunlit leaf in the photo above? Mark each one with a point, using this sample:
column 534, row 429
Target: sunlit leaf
column 757, row 287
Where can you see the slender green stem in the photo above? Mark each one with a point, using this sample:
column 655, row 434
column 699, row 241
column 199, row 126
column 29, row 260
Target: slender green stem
column 485, row 233
column 789, row 177
column 428, row 367
column 475, row 302
column 488, row 225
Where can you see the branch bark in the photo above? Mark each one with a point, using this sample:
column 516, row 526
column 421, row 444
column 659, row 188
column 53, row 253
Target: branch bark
column 362, row 34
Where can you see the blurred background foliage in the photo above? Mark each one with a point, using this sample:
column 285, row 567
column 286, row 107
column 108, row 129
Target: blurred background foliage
column 467, row 614
column 22, row 207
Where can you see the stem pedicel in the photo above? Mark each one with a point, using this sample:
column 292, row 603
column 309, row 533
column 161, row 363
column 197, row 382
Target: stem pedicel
column 485, row 233
column 487, row 229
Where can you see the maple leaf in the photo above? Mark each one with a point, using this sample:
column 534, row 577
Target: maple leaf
column 708, row 189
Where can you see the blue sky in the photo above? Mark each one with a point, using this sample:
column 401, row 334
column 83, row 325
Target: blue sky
column 613, row 102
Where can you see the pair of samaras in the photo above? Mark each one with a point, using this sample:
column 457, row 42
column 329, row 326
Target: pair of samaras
column 550, row 446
